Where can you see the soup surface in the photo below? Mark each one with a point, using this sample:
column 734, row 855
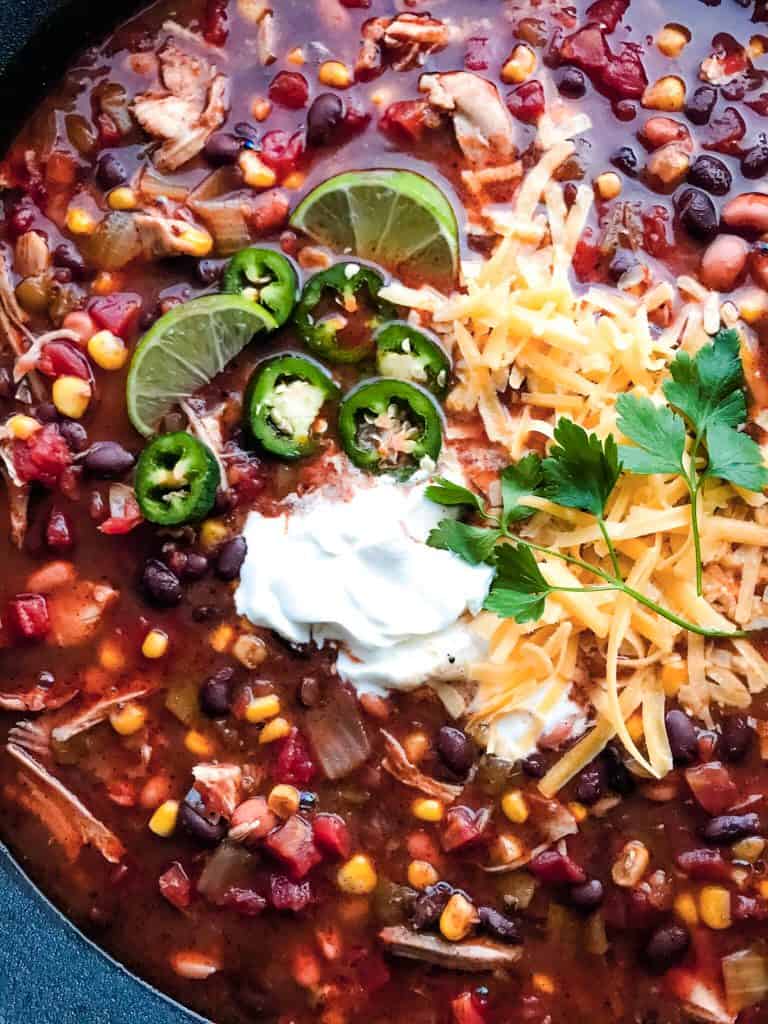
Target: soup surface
column 350, row 671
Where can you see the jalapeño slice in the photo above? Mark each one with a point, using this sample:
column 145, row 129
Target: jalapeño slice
column 389, row 426
column 176, row 479
column 264, row 276
column 283, row 400
column 340, row 309
column 410, row 354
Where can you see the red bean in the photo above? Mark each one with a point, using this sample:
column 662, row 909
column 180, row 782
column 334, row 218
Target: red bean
column 658, row 131
column 723, row 263
column 747, row 214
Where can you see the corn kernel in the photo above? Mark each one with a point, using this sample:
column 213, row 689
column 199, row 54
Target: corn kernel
column 250, row 651
column 762, row 888
column 128, row 719
column 672, row 40
column 686, row 909
column 543, row 983
column 80, row 222
column 668, row 94
column 608, row 185
column 277, row 729
column 750, row 849
column 221, row 638
column 261, row 708
column 256, row 174
column 416, row 744
column 107, row 350
column 284, row 800
column 631, row 864
column 673, row 675
column 457, row 918
column 261, row 108
column 427, row 810
column 357, row 877
column 122, row 198
column 193, row 241
column 753, row 305
column 421, row 874
column 71, row 396
column 296, row 56
column 197, row 743
column 515, row 806
column 335, row 75
column 295, row 181
column 213, row 533
column 579, row 811
column 715, row 907
column 106, row 283
column 163, row 821
column 758, row 46
column 635, row 726
column 155, row 644
column 520, row 65
column 111, row 656
column 22, row 427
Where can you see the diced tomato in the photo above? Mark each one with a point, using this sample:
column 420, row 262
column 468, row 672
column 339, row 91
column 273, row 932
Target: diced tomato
column 118, row 313
column 704, row 865
column 58, row 532
column 624, row 76
column 43, row 457
column 526, row 102
column 294, row 763
column 175, row 886
column 466, row 1011
column 356, row 5
column 463, row 827
column 556, row 868
column 587, row 49
column 27, row 617
column 293, row 843
column 109, row 133
column 586, row 258
column 245, row 901
column 287, row 895
column 477, row 56
column 656, row 240
column 62, row 359
column 408, row 118
column 726, row 132
column 118, row 526
column 122, row 793
column 215, row 22
column 355, row 120
column 282, row 152
column 607, row 13
column 712, row 786
column 289, row 89
column 332, row 835
column 372, row 972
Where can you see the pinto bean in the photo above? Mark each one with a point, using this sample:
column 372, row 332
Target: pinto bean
column 747, row 214
column 659, row 131
column 723, row 262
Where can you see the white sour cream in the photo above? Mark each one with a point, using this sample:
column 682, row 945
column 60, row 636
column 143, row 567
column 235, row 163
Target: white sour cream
column 357, row 570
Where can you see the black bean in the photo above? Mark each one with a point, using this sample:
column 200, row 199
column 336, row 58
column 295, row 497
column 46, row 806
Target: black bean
column 754, row 163
column 711, row 174
column 160, row 585
column 456, row 749
column 625, row 160
column 622, row 262
column 701, row 104
column 244, row 130
column 324, row 118
column 667, row 946
column 591, row 783
column 697, row 214
column 736, row 736
column 110, row 171
column 309, row 691
column 307, row 800
column 729, row 827
column 499, row 925
column 108, row 460
column 619, row 777
column 67, row 256
column 47, row 412
column 45, row 679
column 74, row 434
column 208, row 271
column 682, row 737
column 222, row 148
column 429, row 905
column 586, row 896
column 204, row 613
column 205, row 830
column 216, row 693
column 195, row 566
column 534, row 766
column 571, row 83
column 230, row 558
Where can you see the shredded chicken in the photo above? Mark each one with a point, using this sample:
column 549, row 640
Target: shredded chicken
column 220, row 786
column 70, row 821
column 407, row 40
column 192, row 105
column 12, row 316
column 456, row 956
column 97, row 712
column 76, row 612
column 398, row 765
column 37, row 699
column 18, row 497
column 483, row 125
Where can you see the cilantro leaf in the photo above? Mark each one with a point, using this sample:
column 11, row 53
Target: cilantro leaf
column 735, row 457
column 658, row 432
column 517, row 482
column 518, row 591
column 446, row 492
column 581, row 471
column 708, row 389
column 472, row 543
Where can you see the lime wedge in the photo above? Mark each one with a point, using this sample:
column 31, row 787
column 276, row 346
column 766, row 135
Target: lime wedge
column 185, row 350
column 397, row 219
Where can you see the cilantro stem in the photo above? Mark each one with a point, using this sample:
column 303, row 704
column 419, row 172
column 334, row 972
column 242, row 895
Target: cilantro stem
column 697, row 537
column 609, row 544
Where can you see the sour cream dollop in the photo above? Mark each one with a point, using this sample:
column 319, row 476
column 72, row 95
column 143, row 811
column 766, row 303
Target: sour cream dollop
column 356, row 569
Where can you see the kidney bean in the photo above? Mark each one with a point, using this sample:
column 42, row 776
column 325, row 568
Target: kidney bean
column 222, row 148
column 747, row 214
column 216, row 693
column 230, row 558
column 108, row 460
column 682, row 737
column 704, row 865
column 658, row 131
column 571, row 82
column 736, row 735
column 110, row 171
column 205, row 831
column 697, row 214
column 428, row 906
column 723, row 263
column 555, row 868
column 591, row 783
column 456, row 749
column 710, row 174
column 625, row 160
column 586, row 896
column 700, row 105
column 161, row 586
column 324, row 119
column 667, row 946
column 499, row 926
column 727, row 828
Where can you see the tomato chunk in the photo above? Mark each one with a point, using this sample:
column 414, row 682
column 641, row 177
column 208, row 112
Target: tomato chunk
column 557, row 868
column 27, row 617
column 287, row 895
column 175, row 886
column 43, row 457
column 332, row 835
column 62, row 359
column 289, row 89
column 294, row 761
column 293, row 843
column 118, row 313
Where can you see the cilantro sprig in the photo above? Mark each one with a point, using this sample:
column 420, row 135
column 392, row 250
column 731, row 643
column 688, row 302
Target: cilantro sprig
column 695, row 436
